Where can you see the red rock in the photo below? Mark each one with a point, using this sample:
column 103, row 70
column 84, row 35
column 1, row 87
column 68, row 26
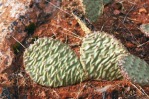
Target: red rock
column 16, row 15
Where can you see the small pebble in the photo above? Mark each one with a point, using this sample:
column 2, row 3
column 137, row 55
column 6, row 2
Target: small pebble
column 116, row 12
column 142, row 10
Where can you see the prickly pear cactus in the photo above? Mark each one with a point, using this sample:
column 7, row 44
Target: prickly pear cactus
column 134, row 69
column 52, row 63
column 145, row 29
column 100, row 53
column 94, row 8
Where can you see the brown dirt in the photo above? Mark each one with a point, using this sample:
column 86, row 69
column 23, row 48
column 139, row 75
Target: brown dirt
column 119, row 19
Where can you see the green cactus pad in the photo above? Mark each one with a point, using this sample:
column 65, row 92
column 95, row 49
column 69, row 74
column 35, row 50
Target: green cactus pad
column 99, row 56
column 134, row 69
column 145, row 29
column 94, row 8
column 52, row 63
column 106, row 1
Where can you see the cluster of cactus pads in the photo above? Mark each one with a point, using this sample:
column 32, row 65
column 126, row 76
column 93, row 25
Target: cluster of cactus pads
column 50, row 62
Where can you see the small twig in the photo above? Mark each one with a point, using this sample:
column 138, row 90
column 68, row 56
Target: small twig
column 18, row 42
column 130, row 32
column 66, row 41
column 80, row 91
column 128, row 13
column 75, row 44
column 53, row 32
column 102, row 26
column 58, row 7
column 56, row 93
column 74, row 35
column 104, row 89
column 131, row 2
column 141, row 91
column 143, row 44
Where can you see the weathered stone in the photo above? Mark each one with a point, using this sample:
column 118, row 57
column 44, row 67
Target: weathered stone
column 15, row 17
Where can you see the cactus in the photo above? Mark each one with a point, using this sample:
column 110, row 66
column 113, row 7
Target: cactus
column 134, row 69
column 100, row 53
column 52, row 63
column 94, row 8
column 145, row 29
